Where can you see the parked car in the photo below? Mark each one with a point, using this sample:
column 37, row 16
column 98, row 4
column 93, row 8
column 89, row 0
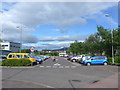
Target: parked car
column 76, row 58
column 96, row 60
column 38, row 59
column 69, row 56
column 66, row 56
column 2, row 57
column 83, row 58
column 20, row 56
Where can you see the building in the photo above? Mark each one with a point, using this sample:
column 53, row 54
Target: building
column 10, row 46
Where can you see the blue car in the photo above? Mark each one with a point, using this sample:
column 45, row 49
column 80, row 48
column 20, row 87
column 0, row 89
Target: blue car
column 38, row 59
column 96, row 60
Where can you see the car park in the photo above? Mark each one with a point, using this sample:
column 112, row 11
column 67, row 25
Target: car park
column 96, row 60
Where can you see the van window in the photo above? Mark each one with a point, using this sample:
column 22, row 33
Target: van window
column 26, row 56
column 19, row 56
column 11, row 56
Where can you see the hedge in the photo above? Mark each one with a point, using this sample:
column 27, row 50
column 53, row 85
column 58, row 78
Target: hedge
column 16, row 62
column 116, row 60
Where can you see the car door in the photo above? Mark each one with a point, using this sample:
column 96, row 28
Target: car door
column 98, row 60
column 95, row 60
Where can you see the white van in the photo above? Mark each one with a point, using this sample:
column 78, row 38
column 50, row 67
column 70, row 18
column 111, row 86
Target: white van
column 62, row 54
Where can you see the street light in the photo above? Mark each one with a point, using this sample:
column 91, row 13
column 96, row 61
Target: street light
column 21, row 28
column 110, row 19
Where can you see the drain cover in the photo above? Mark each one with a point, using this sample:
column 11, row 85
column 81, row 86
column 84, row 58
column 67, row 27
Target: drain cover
column 95, row 81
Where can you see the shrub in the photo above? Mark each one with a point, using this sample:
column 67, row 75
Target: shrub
column 16, row 62
column 116, row 60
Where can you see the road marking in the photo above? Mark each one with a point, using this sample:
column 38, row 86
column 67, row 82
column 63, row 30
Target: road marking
column 57, row 64
column 73, row 66
column 67, row 66
column 41, row 66
column 48, row 66
column 60, row 66
column 36, row 83
column 54, row 66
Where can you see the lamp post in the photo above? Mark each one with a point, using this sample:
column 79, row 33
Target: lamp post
column 110, row 19
column 21, row 28
column 1, row 34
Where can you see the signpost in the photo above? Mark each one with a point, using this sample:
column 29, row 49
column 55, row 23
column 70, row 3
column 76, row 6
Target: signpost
column 32, row 50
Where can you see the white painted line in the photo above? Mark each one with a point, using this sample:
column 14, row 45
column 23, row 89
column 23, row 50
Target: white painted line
column 54, row 66
column 60, row 66
column 73, row 66
column 67, row 66
column 57, row 64
column 44, row 85
column 41, row 66
column 48, row 66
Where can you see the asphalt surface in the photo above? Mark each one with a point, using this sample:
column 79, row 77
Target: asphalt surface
column 60, row 74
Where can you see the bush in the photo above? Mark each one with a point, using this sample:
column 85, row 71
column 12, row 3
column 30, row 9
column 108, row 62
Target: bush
column 16, row 62
column 116, row 60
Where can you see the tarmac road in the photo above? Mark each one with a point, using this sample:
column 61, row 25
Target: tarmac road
column 60, row 74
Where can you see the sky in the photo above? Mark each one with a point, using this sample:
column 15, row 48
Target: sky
column 52, row 25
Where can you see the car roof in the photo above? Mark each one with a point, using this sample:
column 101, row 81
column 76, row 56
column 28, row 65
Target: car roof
column 99, row 56
column 19, row 53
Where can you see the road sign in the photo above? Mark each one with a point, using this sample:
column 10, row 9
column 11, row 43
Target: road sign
column 32, row 49
column 57, row 64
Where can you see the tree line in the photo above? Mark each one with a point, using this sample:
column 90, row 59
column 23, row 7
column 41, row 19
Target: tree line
column 99, row 43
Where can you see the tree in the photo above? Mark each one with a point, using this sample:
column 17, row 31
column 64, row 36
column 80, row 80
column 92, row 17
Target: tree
column 76, row 48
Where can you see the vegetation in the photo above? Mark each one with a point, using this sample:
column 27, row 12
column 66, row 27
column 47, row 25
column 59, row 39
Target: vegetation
column 16, row 62
column 0, row 63
column 99, row 43
column 117, row 60
column 25, row 50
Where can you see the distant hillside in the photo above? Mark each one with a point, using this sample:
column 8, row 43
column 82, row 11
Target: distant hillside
column 62, row 49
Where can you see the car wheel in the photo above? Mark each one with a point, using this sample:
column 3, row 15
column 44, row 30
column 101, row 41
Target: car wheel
column 88, row 64
column 105, row 63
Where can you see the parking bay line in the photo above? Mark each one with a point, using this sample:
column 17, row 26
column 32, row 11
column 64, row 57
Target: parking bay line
column 41, row 66
column 67, row 66
column 48, row 66
column 60, row 66
column 73, row 66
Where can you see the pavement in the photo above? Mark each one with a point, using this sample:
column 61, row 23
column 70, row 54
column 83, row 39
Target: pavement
column 111, row 82
column 60, row 74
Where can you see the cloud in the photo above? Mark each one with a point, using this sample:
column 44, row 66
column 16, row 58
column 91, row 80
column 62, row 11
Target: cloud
column 34, row 14
column 63, row 31
column 55, row 45
column 64, row 38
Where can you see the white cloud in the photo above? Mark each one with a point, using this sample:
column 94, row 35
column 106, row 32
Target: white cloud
column 35, row 14
column 64, row 38
column 55, row 45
